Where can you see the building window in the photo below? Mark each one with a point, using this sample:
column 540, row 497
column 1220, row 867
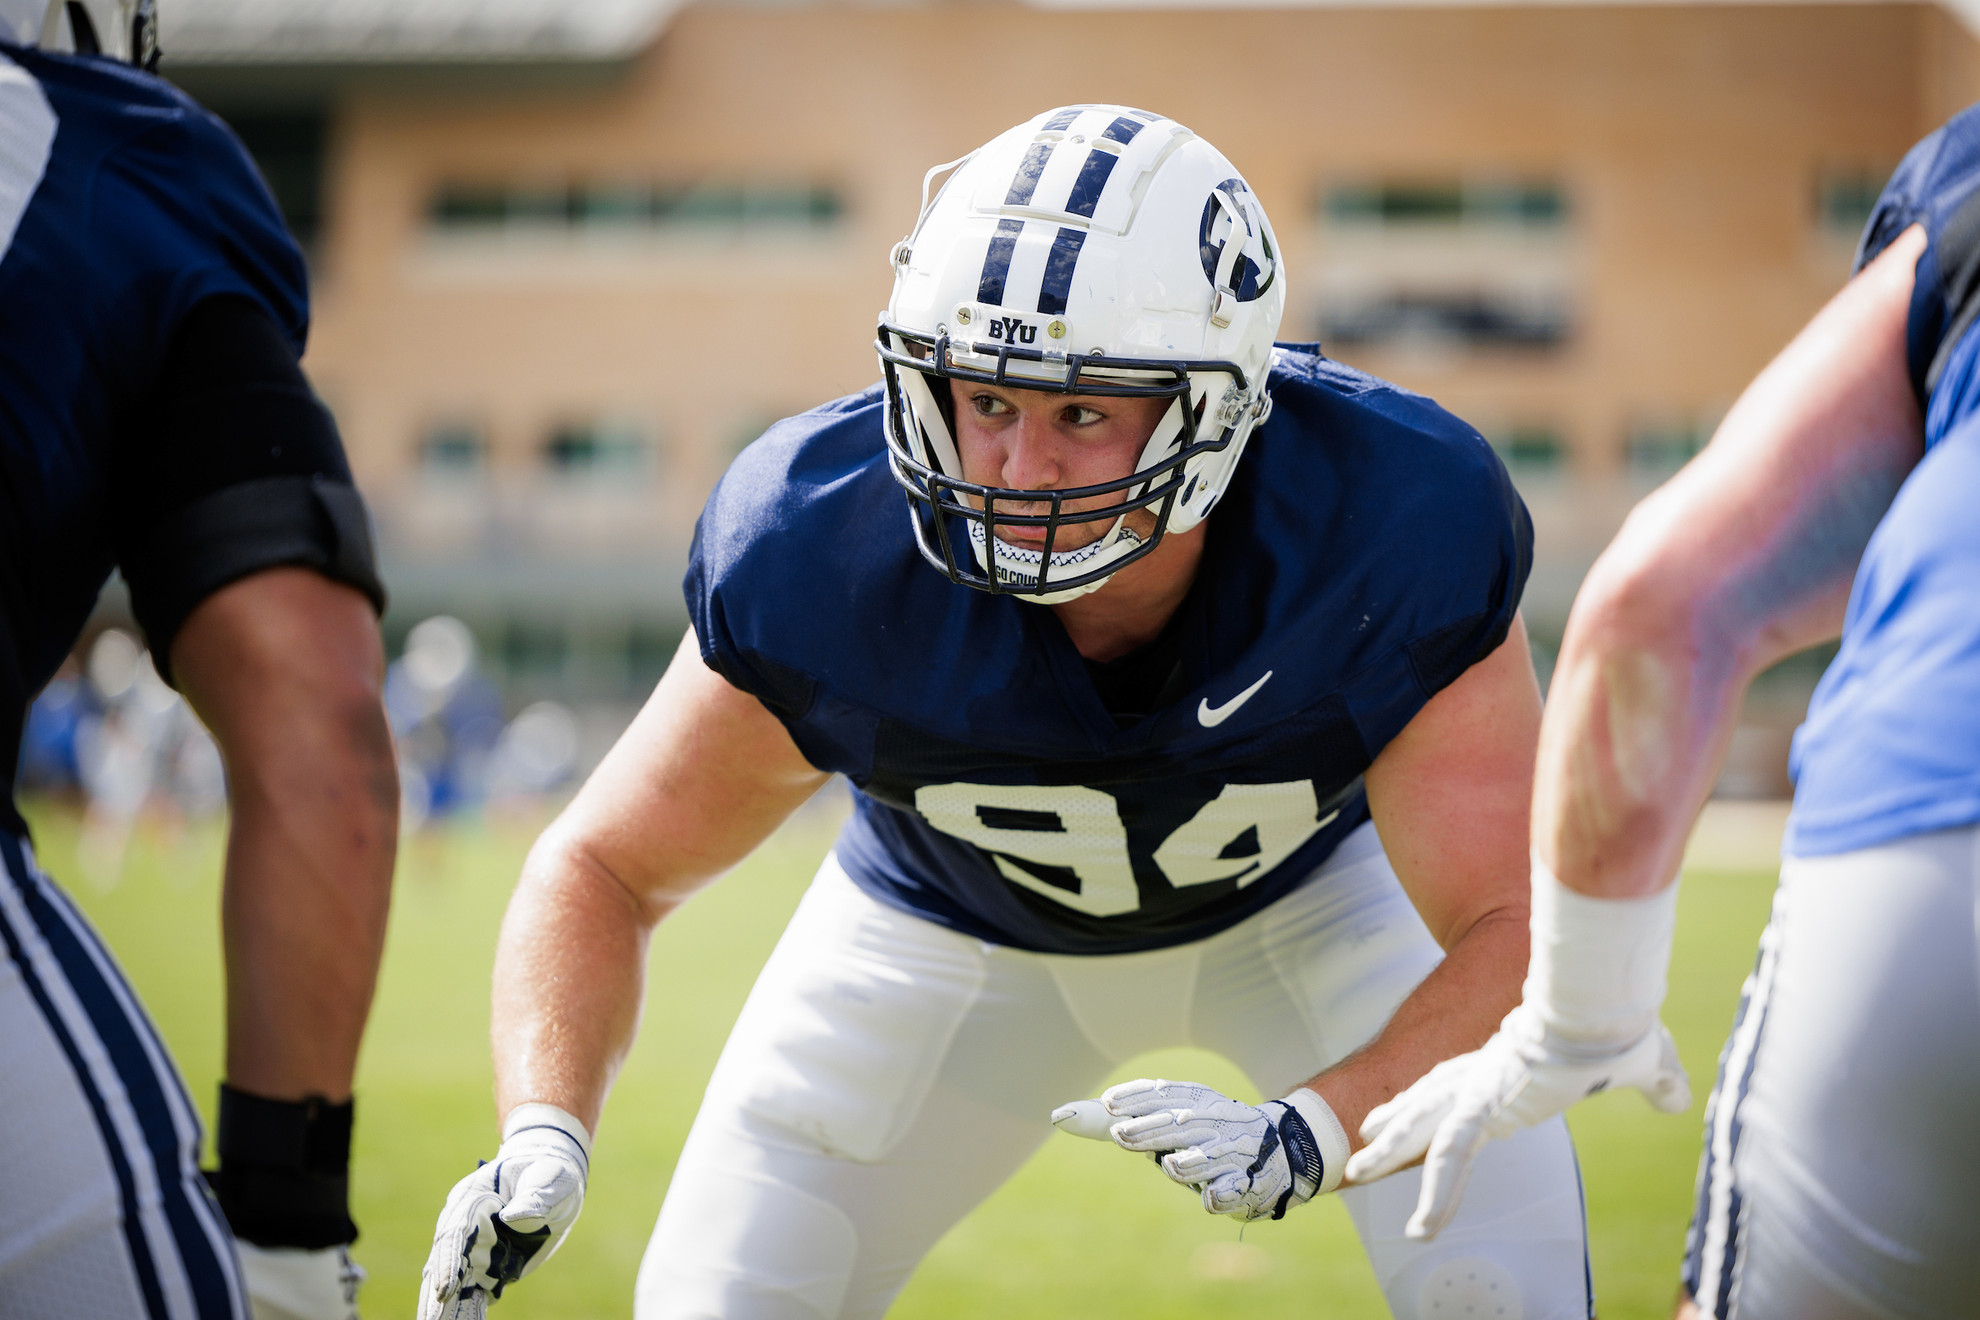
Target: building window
column 1844, row 200
column 1653, row 451
column 1446, row 204
column 604, row 451
column 717, row 209
column 1471, row 318
column 453, row 450
column 1529, row 450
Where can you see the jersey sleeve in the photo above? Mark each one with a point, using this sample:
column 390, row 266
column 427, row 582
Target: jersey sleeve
column 227, row 463
column 726, row 569
column 1937, row 186
column 235, row 467
column 1457, row 551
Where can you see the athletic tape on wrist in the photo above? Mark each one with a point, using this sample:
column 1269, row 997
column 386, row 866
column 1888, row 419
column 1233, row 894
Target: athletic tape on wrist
column 284, row 1175
column 1600, row 966
column 1327, row 1131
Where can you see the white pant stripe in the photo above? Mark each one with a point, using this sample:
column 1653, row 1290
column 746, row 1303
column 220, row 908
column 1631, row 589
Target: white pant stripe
column 1720, row 1250
column 180, row 1252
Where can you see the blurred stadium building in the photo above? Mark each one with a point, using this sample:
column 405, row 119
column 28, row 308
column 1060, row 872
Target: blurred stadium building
column 569, row 258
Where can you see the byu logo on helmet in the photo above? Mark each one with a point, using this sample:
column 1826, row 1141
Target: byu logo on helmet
column 1155, row 274
column 1236, row 249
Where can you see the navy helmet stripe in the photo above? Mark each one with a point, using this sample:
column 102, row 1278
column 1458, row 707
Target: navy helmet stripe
column 1061, row 121
column 1092, row 181
column 1059, row 265
column 1026, row 181
column 145, row 1088
column 1122, row 130
column 152, row 1082
column 997, row 262
column 147, row 1270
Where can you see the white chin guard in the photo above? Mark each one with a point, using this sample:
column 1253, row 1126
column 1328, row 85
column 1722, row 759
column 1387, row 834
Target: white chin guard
column 1019, row 567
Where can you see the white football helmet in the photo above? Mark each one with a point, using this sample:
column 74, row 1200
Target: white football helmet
column 125, row 30
column 1095, row 249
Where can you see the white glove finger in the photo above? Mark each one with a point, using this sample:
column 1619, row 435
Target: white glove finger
column 546, row 1196
column 462, row 1223
column 471, row 1304
column 1165, row 1130
column 1403, row 1136
column 1669, row 1087
column 1193, row 1168
column 1447, row 1167
column 1147, row 1095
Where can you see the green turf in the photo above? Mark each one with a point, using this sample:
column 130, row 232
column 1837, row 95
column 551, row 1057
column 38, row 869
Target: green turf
column 1081, row 1231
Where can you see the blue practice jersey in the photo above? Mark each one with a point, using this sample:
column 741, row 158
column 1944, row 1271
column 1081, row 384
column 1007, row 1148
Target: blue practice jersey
column 1368, row 551
column 127, row 214
column 1891, row 746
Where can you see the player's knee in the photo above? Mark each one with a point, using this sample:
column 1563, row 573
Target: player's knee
column 1463, row 1285
column 740, row 1244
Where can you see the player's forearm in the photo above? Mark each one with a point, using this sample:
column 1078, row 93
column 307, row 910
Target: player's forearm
column 308, row 889
column 569, row 980
column 286, row 668
column 1453, row 1010
column 1744, row 557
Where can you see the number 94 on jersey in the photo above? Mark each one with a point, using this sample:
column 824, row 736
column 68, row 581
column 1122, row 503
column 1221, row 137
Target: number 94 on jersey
column 1071, row 844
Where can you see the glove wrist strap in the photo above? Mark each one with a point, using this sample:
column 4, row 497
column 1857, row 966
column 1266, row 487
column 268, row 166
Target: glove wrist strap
column 1599, row 965
column 1328, row 1135
column 536, row 1115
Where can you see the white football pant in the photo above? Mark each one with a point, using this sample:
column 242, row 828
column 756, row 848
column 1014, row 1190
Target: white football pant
column 1841, row 1168
column 887, row 1074
column 103, row 1214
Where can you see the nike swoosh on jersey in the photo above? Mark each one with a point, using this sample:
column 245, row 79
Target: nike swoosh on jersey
column 1211, row 716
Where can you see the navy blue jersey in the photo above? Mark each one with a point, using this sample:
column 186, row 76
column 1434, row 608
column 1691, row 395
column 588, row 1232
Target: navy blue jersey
column 1369, row 550
column 1891, row 746
column 144, row 273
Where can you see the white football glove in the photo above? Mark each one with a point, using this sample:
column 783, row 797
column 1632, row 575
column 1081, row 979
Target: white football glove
column 299, row 1283
column 508, row 1216
column 1249, row 1161
column 1588, row 1023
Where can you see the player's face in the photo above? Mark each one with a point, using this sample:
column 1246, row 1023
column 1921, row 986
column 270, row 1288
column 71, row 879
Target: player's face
column 1032, row 440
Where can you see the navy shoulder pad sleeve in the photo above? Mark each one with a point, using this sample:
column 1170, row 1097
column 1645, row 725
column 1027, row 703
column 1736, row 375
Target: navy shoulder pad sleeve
column 1937, row 186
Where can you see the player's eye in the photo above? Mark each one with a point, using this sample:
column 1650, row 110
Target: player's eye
column 1079, row 415
column 988, row 405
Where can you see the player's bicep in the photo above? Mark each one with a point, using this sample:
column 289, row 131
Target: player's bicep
column 1451, row 793
column 1757, row 540
column 232, row 466
column 703, row 775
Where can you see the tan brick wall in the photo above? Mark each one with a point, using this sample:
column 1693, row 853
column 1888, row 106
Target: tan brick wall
column 1689, row 141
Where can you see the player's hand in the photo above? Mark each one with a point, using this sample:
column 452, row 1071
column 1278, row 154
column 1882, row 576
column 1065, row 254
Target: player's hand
column 1516, row 1079
column 299, row 1283
column 509, row 1216
column 1249, row 1161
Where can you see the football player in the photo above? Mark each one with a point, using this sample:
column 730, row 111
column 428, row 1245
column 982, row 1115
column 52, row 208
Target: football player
column 1839, row 495
column 1168, row 724
column 153, row 419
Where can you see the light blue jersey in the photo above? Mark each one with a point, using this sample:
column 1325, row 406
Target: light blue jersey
column 1891, row 746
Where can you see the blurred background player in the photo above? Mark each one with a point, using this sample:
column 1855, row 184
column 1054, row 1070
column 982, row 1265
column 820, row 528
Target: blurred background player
column 1143, row 815
column 153, row 419
column 1841, row 1157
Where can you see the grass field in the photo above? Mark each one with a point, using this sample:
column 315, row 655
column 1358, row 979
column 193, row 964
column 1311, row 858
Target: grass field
column 1081, row 1231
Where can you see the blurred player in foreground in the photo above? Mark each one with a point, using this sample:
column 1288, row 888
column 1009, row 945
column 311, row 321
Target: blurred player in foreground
column 1116, row 767
column 153, row 419
column 1841, row 1154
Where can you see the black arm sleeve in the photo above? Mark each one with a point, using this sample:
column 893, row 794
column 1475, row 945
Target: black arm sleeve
column 232, row 467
